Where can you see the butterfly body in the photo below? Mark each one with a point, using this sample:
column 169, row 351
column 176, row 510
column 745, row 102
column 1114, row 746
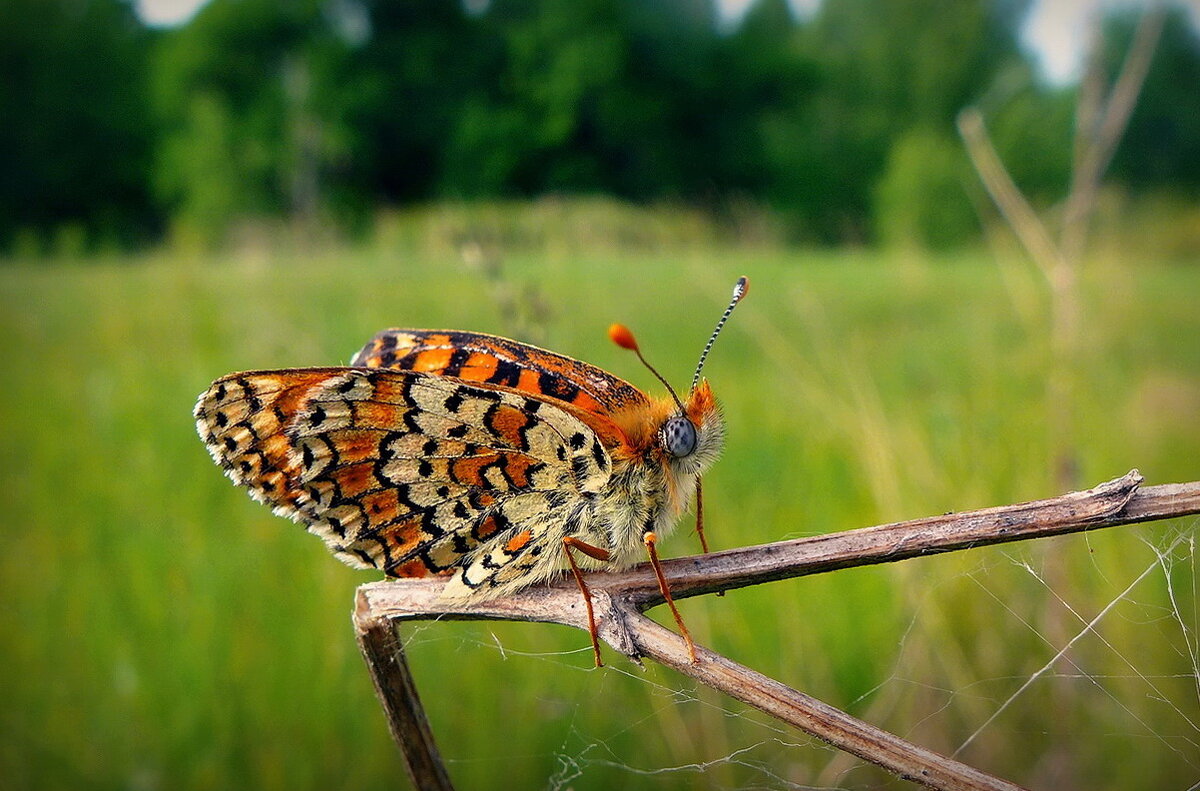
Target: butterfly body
column 649, row 489
column 466, row 455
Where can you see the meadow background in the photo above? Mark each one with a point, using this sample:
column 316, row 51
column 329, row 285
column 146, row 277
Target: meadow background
column 159, row 630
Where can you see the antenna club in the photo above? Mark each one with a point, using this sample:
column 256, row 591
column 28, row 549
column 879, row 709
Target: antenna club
column 623, row 337
column 741, row 288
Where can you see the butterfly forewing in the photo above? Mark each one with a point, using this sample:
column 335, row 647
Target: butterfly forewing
column 501, row 363
column 413, row 473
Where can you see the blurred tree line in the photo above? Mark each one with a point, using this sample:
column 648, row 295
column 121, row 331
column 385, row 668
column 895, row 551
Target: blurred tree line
column 322, row 110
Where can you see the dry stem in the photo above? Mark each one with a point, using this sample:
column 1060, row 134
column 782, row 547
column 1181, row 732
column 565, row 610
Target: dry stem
column 619, row 599
column 1100, row 124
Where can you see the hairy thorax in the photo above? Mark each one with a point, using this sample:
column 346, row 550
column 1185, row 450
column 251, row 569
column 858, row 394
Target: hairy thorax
column 649, row 489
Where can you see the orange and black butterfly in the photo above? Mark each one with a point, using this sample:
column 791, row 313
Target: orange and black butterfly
column 467, row 455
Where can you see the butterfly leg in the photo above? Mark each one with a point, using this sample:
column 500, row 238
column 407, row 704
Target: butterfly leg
column 700, row 522
column 569, row 543
column 700, row 517
column 650, row 540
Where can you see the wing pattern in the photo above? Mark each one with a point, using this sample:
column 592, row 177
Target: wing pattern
column 413, row 473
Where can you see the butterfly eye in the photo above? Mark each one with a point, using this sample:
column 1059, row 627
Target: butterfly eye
column 678, row 436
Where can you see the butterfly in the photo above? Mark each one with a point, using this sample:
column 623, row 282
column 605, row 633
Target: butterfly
column 485, row 460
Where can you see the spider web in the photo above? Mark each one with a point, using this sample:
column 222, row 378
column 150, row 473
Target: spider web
column 1102, row 672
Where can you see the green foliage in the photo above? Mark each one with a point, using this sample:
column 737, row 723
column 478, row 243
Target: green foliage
column 770, row 128
column 554, row 63
column 76, row 132
column 602, row 95
column 922, row 198
column 255, row 97
column 207, row 172
column 887, row 68
column 314, row 113
column 920, row 62
column 417, row 71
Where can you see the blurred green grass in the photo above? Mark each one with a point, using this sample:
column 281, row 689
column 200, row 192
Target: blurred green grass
column 160, row 630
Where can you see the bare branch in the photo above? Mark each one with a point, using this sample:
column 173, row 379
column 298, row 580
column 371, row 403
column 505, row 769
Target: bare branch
column 1125, row 92
column 619, row 598
column 1090, row 99
column 1097, row 141
column 1008, row 197
column 738, row 568
column 1119, row 501
column 394, row 685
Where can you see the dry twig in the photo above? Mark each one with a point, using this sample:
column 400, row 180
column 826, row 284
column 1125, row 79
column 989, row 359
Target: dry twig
column 620, row 598
column 1100, row 124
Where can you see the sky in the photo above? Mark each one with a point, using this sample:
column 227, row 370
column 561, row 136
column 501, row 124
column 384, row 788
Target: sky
column 1053, row 31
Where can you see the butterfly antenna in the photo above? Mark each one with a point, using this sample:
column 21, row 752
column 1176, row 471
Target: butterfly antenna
column 739, row 290
column 623, row 337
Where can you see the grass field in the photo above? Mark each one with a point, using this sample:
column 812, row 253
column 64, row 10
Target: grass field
column 161, row 631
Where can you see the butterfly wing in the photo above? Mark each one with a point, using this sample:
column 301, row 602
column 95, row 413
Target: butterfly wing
column 412, row 473
column 499, row 362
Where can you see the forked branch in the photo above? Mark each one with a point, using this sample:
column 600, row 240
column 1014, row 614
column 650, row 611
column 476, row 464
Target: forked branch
column 620, row 598
column 1100, row 124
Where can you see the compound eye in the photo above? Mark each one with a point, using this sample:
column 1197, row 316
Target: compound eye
column 678, row 436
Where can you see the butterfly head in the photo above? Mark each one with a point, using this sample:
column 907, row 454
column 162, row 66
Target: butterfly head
column 692, row 437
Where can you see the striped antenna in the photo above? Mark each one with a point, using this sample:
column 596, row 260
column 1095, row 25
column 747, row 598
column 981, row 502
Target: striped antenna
column 739, row 290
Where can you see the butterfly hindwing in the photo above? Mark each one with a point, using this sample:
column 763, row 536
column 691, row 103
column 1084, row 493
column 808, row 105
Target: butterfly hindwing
column 412, row 473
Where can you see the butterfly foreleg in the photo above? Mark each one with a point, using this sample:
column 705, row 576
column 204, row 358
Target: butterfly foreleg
column 700, row 521
column 569, row 543
column 650, row 539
